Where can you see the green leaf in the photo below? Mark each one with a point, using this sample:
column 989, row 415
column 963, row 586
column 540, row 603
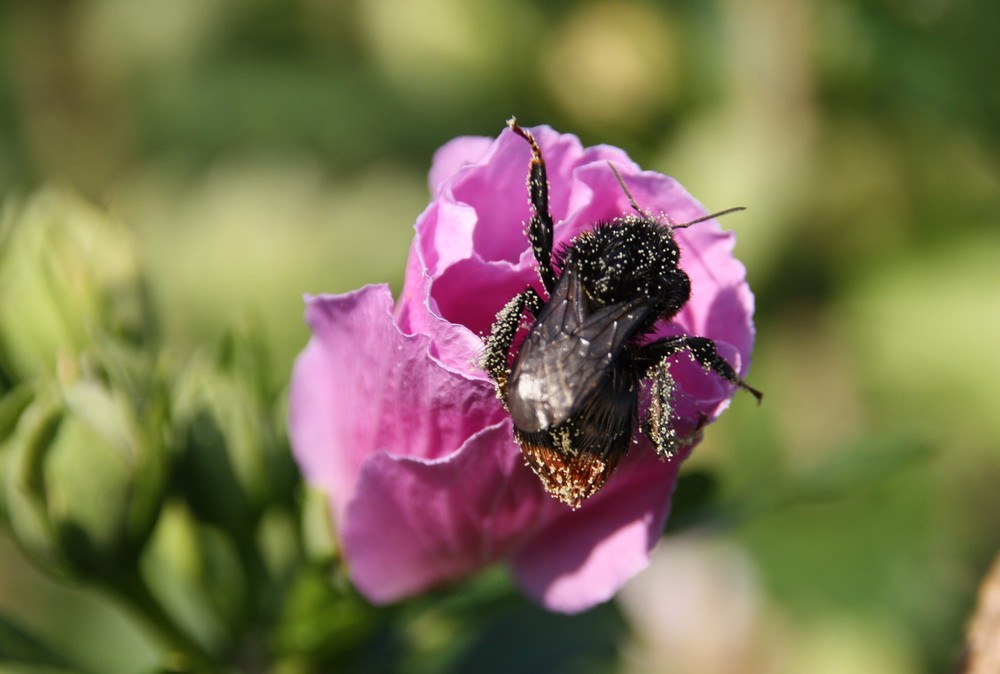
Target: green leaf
column 19, row 646
column 68, row 273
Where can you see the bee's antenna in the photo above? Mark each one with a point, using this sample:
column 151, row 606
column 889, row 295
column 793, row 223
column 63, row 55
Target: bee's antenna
column 631, row 200
column 645, row 214
column 709, row 217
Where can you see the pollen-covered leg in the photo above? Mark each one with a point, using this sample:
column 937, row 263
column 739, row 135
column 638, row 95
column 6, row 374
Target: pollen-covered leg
column 505, row 327
column 659, row 426
column 703, row 350
column 541, row 225
column 708, row 357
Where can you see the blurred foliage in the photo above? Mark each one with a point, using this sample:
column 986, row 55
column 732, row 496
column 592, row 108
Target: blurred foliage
column 231, row 156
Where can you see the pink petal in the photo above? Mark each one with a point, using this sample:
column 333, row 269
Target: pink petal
column 586, row 556
column 361, row 386
column 454, row 155
column 453, row 345
column 416, row 523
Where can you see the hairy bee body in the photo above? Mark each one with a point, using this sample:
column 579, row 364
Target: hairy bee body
column 573, row 387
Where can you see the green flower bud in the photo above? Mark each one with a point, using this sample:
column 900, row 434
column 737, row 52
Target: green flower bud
column 12, row 405
column 233, row 459
column 24, row 508
column 68, row 274
column 85, row 470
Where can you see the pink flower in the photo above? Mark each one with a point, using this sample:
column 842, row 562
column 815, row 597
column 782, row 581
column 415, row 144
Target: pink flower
column 390, row 414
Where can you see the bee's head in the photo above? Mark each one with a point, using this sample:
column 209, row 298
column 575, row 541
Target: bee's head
column 628, row 258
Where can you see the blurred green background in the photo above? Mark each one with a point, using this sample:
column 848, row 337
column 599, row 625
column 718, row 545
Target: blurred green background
column 261, row 149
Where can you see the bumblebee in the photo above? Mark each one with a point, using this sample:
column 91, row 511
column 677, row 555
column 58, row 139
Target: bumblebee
column 572, row 390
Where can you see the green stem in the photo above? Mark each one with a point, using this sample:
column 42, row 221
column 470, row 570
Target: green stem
column 183, row 652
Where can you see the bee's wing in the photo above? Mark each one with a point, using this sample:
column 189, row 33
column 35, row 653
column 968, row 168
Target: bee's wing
column 567, row 355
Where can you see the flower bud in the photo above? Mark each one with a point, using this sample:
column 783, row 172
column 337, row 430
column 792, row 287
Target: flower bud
column 233, row 460
column 85, row 469
column 68, row 273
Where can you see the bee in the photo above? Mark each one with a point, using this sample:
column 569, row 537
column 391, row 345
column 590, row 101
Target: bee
column 573, row 388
